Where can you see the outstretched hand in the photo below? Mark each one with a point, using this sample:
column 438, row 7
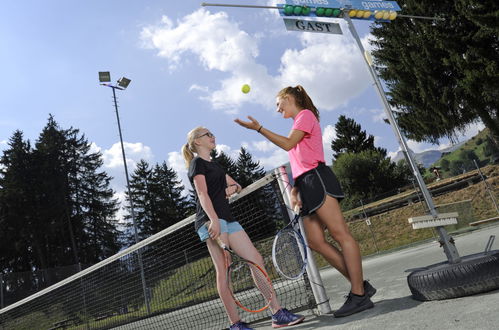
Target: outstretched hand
column 252, row 124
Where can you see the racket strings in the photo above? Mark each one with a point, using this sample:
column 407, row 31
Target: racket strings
column 250, row 287
column 289, row 254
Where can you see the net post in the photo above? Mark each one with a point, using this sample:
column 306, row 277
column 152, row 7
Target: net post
column 316, row 284
column 1, row 291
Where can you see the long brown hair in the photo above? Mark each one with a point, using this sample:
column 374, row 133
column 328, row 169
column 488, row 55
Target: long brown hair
column 301, row 97
column 189, row 148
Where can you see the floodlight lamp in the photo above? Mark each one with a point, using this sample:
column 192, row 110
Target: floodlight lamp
column 124, row 82
column 104, row 76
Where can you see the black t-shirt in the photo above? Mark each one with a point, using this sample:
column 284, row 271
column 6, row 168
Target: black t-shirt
column 216, row 183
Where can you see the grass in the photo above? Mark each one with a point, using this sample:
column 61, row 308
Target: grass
column 391, row 229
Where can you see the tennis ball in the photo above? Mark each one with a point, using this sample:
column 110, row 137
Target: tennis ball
column 245, row 89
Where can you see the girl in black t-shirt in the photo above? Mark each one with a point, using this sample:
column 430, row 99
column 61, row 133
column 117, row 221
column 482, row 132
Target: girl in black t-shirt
column 214, row 220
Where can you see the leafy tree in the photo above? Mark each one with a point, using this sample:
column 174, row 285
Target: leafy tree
column 444, row 163
column 441, row 75
column 456, row 167
column 351, row 138
column 467, row 156
column 491, row 150
column 366, row 174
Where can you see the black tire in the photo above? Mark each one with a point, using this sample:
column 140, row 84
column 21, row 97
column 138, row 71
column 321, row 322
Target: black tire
column 475, row 273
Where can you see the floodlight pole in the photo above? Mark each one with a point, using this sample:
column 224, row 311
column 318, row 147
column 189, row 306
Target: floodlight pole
column 445, row 240
column 132, row 209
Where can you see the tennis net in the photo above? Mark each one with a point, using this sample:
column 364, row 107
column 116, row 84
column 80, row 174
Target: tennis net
column 166, row 281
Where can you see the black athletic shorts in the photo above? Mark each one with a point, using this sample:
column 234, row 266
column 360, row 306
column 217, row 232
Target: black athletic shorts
column 314, row 185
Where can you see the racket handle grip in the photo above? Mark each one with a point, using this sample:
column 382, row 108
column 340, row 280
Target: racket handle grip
column 221, row 244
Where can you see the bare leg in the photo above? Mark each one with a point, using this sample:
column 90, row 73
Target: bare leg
column 242, row 245
column 330, row 215
column 317, row 242
column 218, row 257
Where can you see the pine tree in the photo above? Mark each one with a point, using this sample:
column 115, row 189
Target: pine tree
column 64, row 211
column 441, row 75
column 17, row 230
column 225, row 161
column 143, row 203
column 247, row 170
column 351, row 138
column 158, row 198
column 75, row 201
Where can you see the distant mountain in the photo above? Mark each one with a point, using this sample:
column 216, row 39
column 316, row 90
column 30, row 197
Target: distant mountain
column 429, row 157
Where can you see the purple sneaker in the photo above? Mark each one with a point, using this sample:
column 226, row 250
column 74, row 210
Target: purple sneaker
column 284, row 318
column 240, row 325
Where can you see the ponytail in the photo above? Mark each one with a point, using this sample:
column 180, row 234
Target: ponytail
column 188, row 154
column 189, row 149
column 302, row 99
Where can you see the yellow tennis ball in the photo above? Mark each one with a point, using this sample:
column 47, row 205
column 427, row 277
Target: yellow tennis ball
column 245, row 89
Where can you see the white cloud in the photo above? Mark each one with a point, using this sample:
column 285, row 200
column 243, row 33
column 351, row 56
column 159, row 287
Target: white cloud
column 120, row 214
column 276, row 159
column 329, row 67
column 176, row 162
column 392, row 154
column 473, row 129
column 113, row 157
column 378, row 115
column 263, row 146
column 196, row 87
column 328, row 135
column 3, row 144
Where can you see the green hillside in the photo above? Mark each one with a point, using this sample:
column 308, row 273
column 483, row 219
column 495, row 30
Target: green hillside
column 477, row 148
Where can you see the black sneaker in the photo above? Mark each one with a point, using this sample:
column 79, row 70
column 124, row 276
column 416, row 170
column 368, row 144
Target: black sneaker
column 369, row 289
column 354, row 304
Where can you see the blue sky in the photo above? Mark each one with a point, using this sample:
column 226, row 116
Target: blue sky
column 187, row 65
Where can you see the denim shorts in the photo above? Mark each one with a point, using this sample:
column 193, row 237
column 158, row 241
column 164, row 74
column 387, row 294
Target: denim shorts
column 225, row 227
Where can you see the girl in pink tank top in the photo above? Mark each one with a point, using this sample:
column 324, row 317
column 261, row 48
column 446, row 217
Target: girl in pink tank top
column 317, row 192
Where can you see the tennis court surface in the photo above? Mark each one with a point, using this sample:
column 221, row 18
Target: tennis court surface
column 394, row 308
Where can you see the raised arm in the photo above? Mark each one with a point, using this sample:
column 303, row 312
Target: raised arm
column 286, row 143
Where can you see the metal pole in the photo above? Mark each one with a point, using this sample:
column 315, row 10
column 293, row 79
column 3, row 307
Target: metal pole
column 487, row 186
column 1, row 291
column 132, row 211
column 316, row 284
column 368, row 225
column 449, row 248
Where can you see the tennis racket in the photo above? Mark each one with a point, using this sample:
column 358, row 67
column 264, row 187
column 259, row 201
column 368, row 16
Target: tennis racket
column 289, row 251
column 248, row 283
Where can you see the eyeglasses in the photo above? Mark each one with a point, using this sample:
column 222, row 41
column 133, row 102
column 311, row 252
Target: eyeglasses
column 208, row 134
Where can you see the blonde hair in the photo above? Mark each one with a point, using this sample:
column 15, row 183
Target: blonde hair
column 189, row 148
column 301, row 98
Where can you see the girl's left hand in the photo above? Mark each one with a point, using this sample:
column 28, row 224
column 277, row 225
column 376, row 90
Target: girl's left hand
column 252, row 124
column 230, row 190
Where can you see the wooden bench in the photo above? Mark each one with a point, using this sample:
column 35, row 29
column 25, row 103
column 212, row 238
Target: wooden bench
column 476, row 223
